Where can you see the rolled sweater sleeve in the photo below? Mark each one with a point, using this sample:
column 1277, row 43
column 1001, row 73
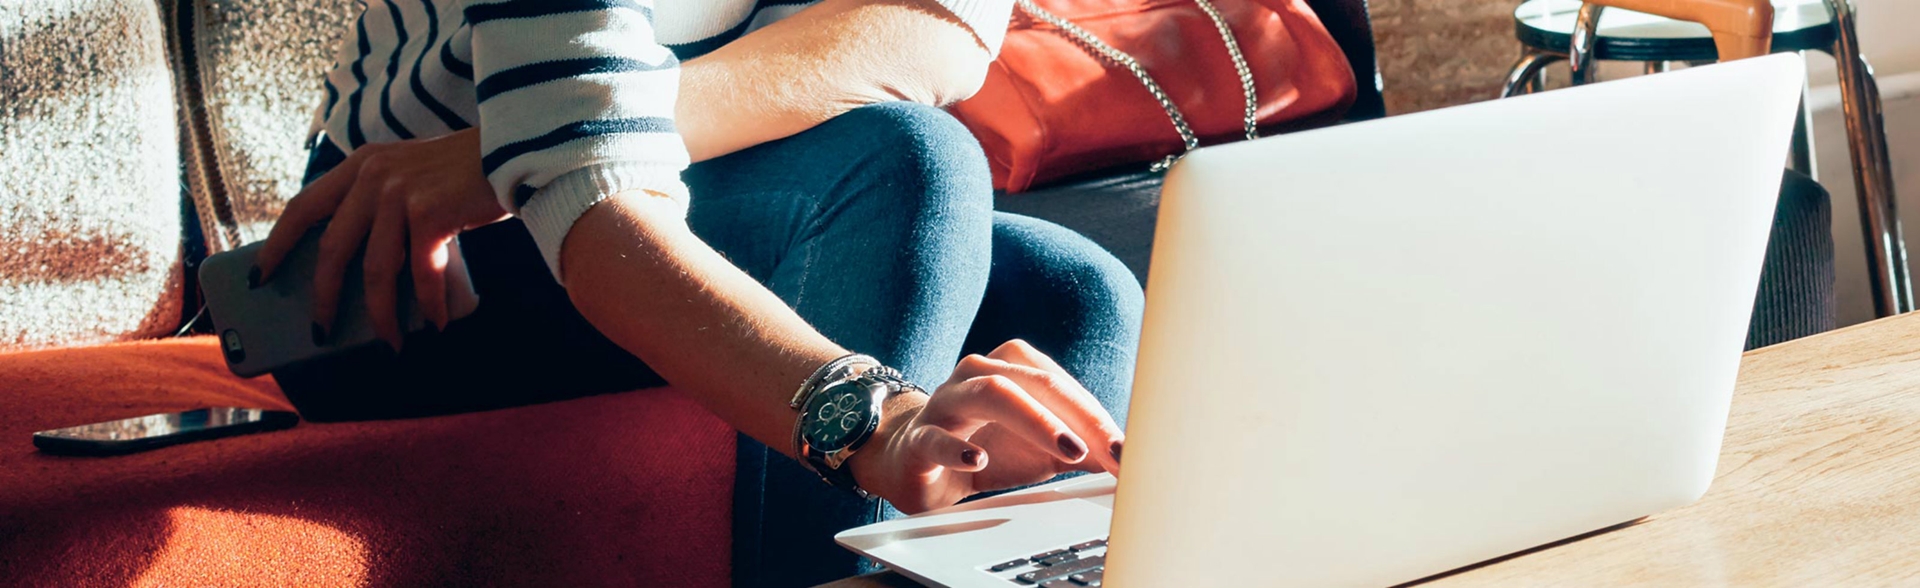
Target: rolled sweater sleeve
column 576, row 104
column 987, row 18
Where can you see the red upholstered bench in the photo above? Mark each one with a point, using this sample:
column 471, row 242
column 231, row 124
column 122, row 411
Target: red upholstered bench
column 629, row 489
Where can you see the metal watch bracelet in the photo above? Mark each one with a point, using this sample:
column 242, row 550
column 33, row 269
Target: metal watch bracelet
column 825, row 373
column 815, row 382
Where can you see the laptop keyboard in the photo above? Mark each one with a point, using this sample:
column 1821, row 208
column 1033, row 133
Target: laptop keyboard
column 1080, row 565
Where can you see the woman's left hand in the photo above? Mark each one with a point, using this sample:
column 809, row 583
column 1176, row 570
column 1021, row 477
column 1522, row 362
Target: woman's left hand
column 403, row 202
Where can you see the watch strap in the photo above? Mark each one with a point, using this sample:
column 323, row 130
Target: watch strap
column 840, row 477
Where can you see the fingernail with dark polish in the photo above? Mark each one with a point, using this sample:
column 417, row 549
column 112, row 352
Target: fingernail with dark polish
column 253, row 277
column 319, row 334
column 971, row 457
column 1072, row 447
column 1115, row 449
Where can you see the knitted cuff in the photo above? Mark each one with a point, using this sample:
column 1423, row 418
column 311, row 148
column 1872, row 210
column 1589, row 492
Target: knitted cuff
column 987, row 18
column 552, row 210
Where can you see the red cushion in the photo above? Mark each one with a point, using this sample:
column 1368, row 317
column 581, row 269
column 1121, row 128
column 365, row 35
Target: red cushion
column 626, row 489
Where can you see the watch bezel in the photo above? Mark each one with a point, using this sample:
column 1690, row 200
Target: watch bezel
column 876, row 392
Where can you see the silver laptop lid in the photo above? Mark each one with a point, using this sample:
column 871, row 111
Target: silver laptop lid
column 1378, row 352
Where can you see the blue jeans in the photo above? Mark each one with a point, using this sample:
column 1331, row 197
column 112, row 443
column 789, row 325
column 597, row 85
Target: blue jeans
column 877, row 227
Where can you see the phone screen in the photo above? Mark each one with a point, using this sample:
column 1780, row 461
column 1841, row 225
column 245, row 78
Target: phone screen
column 160, row 425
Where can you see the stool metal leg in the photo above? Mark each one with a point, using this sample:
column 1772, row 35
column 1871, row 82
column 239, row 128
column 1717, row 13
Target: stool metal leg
column 1872, row 169
column 1539, row 81
column 1586, row 38
column 1522, row 79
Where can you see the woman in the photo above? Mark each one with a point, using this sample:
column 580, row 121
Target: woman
column 832, row 209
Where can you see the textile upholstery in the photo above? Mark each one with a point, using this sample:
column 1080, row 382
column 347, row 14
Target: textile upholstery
column 254, row 67
column 89, row 179
column 629, row 489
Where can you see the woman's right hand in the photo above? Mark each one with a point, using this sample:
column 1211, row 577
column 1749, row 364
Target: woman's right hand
column 403, row 202
column 1010, row 418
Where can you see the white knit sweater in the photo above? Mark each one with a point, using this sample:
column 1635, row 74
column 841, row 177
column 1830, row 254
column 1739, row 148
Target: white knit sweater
column 574, row 98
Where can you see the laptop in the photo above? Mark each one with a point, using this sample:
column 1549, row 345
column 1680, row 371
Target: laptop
column 1382, row 351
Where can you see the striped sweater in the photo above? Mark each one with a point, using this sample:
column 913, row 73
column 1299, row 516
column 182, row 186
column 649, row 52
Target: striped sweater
column 574, row 99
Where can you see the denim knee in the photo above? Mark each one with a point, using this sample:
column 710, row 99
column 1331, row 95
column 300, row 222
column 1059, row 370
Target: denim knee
column 909, row 183
column 921, row 134
column 914, row 155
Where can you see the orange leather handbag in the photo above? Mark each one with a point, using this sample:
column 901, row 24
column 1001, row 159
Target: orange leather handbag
column 1085, row 85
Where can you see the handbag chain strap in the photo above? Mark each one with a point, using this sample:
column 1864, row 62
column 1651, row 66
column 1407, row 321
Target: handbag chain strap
column 1098, row 48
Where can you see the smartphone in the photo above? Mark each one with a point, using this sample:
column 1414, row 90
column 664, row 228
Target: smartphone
column 269, row 326
column 160, row 430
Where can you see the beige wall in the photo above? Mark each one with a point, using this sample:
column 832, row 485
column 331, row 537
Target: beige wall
column 1436, row 53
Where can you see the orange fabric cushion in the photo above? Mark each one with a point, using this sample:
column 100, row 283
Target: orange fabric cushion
column 629, row 489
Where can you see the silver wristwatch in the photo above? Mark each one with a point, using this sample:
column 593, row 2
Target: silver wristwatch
column 840, row 407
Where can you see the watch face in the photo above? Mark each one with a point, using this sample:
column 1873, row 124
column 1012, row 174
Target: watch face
column 837, row 415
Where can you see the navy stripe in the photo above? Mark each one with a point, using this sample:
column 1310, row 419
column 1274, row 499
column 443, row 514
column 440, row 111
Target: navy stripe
column 491, row 162
column 356, row 137
column 447, row 115
column 333, row 97
column 546, row 71
column 453, row 64
column 481, row 13
column 523, row 193
column 393, row 72
column 686, row 51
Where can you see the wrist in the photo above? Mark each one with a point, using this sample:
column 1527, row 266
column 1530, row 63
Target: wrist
column 876, row 468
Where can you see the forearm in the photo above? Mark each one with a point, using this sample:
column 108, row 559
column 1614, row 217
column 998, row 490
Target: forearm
column 637, row 273
column 822, row 62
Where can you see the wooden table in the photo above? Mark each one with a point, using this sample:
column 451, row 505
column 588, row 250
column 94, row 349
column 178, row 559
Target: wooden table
column 1819, row 484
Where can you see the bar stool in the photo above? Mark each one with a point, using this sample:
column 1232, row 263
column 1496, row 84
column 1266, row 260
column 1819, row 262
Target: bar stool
column 1565, row 30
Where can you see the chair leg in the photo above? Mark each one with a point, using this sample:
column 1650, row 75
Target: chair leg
column 1872, row 169
column 1523, row 77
